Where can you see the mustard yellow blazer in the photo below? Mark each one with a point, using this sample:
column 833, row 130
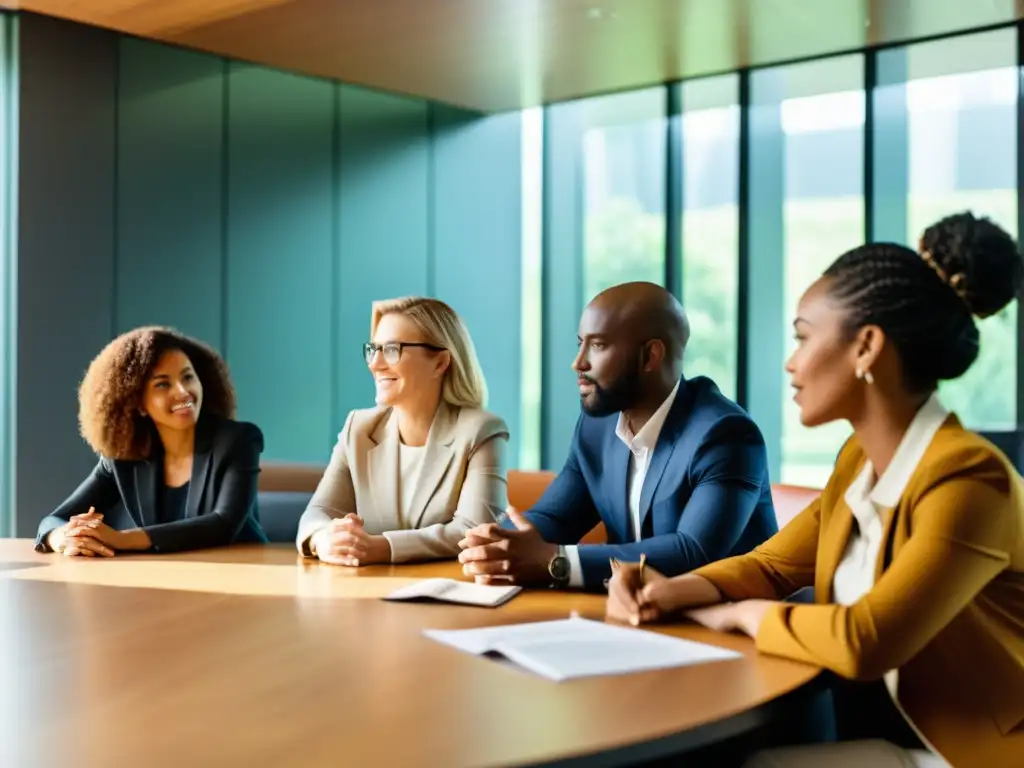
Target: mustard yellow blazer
column 947, row 607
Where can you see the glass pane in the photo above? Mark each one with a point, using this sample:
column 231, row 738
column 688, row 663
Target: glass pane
column 711, row 222
column 961, row 99
column 623, row 189
column 823, row 216
column 531, row 357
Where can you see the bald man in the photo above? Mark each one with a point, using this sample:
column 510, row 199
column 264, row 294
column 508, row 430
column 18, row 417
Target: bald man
column 674, row 470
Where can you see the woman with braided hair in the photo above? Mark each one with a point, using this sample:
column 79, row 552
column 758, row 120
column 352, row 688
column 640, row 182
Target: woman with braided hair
column 915, row 549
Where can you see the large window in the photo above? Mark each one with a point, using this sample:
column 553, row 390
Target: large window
column 532, row 294
column 944, row 132
column 710, row 226
column 624, row 189
column 811, row 119
column 960, row 98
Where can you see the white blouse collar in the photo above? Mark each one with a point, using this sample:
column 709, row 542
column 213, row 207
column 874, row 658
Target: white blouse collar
column 890, row 486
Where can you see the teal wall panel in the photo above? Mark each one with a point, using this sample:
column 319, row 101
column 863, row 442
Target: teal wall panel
column 280, row 265
column 383, row 171
column 65, row 245
column 477, row 240
column 8, row 264
column 170, row 189
column 260, row 211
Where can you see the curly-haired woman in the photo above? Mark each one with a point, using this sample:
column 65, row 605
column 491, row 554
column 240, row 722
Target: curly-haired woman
column 176, row 472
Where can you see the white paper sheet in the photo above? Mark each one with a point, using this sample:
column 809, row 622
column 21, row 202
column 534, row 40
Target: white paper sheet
column 572, row 648
column 452, row 591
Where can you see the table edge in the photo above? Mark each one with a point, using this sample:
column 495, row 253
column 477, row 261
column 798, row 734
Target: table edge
column 680, row 743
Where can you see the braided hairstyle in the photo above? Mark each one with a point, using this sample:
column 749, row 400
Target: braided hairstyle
column 926, row 302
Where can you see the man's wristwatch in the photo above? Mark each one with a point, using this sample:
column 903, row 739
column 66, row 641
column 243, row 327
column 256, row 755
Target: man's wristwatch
column 559, row 569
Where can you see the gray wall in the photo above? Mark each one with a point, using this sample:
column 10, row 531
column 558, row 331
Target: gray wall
column 66, row 258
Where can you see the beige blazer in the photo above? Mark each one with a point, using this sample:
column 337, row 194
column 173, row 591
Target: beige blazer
column 461, row 481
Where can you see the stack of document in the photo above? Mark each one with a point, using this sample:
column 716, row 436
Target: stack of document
column 571, row 648
column 452, row 591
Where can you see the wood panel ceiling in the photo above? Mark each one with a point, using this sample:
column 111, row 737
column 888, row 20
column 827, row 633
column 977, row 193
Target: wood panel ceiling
column 495, row 55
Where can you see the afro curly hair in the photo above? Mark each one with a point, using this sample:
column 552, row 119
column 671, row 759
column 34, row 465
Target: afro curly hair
column 110, row 395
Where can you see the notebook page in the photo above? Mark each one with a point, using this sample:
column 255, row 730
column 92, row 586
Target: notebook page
column 631, row 651
column 480, row 641
column 575, row 647
column 450, row 590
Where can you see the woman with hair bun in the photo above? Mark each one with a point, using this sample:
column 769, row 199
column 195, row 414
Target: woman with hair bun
column 176, row 471
column 915, row 549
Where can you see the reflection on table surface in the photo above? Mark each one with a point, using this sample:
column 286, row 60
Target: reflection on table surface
column 252, row 653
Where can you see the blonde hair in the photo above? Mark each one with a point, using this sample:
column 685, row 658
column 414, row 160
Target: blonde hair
column 464, row 385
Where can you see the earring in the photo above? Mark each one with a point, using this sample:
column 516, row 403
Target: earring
column 865, row 376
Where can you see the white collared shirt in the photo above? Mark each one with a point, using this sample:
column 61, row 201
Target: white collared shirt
column 641, row 449
column 867, row 500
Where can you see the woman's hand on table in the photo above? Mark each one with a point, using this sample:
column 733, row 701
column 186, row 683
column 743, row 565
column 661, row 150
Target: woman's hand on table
column 82, row 536
column 636, row 597
column 345, row 542
column 745, row 616
column 641, row 596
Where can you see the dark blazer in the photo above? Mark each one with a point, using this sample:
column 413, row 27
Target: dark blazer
column 221, row 507
column 706, row 494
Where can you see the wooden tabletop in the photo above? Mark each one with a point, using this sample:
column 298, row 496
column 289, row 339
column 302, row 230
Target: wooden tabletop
column 252, row 656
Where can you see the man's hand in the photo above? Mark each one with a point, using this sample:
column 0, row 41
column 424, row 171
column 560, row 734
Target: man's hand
column 345, row 542
column 490, row 552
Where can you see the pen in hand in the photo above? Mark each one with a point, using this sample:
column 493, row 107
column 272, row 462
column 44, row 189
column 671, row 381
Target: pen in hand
column 615, row 568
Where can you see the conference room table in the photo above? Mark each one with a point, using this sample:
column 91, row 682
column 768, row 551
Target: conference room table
column 253, row 656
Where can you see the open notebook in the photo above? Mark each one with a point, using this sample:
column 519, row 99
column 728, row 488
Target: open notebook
column 571, row 648
column 452, row 591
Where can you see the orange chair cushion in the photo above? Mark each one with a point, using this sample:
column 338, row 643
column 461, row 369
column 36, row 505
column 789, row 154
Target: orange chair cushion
column 524, row 490
column 790, row 501
column 282, row 476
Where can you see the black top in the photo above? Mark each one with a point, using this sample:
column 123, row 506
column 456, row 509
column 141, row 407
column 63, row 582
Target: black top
column 170, row 505
column 217, row 507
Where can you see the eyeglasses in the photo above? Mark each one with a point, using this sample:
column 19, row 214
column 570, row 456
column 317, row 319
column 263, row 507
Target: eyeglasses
column 392, row 350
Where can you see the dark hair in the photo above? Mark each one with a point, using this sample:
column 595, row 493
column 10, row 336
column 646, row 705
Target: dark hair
column 926, row 302
column 110, row 395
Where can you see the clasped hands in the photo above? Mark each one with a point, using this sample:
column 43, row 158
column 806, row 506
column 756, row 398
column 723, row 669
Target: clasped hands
column 344, row 541
column 86, row 535
column 491, row 553
column 641, row 599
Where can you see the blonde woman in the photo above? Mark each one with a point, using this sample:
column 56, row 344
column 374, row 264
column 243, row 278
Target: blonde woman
column 409, row 477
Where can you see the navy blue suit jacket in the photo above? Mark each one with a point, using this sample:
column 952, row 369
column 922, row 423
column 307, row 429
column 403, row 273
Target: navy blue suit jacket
column 706, row 495
column 221, row 507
